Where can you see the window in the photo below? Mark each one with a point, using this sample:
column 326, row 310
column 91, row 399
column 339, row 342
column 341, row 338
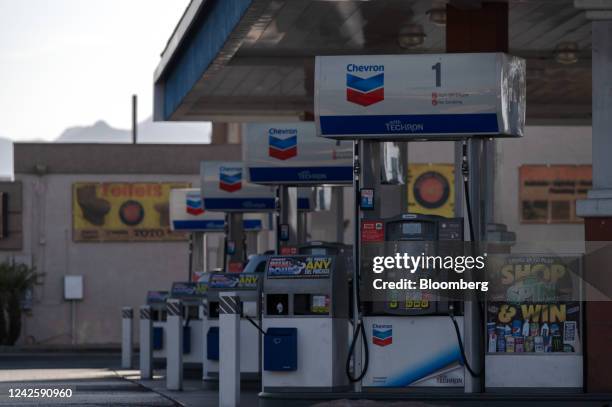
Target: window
column 548, row 193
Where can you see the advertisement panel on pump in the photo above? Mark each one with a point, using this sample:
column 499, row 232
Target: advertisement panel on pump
column 428, row 96
column 294, row 147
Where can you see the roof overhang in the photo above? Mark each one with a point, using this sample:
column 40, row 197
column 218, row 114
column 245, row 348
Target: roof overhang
column 251, row 60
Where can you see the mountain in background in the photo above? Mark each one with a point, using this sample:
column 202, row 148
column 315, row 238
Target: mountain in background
column 148, row 132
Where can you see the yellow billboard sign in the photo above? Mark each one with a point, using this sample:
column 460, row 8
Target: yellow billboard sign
column 122, row 211
column 431, row 189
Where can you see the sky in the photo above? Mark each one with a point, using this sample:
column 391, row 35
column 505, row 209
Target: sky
column 70, row 63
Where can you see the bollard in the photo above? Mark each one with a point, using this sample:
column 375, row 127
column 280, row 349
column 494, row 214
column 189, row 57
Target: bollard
column 146, row 343
column 127, row 315
column 230, row 310
column 205, row 327
column 174, row 347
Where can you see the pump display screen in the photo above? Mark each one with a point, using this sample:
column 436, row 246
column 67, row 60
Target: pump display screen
column 319, row 251
column 411, row 228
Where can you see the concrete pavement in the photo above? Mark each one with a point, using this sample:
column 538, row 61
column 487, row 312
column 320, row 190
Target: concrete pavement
column 92, row 378
column 97, row 380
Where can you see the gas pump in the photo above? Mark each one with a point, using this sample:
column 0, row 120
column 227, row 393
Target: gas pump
column 248, row 285
column 305, row 316
column 411, row 340
column 191, row 295
column 375, row 99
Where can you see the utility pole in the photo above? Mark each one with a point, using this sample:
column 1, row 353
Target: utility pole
column 134, row 119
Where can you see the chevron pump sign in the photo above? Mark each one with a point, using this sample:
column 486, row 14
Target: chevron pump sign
column 224, row 189
column 420, row 97
column 230, row 178
column 292, row 154
column 282, row 143
column 193, row 203
column 382, row 335
column 187, row 214
column 365, row 90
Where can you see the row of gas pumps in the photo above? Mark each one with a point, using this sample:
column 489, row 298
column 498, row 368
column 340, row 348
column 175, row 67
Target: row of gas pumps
column 307, row 322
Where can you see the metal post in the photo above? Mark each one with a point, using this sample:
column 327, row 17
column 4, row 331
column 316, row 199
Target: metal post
column 134, row 119
column 146, row 343
column 458, row 212
column 288, row 215
column 357, row 362
column 190, row 274
column 230, row 310
column 292, row 215
column 205, row 328
column 174, row 348
column 473, row 323
column 127, row 315
column 302, row 227
column 337, row 207
column 235, row 236
column 204, row 248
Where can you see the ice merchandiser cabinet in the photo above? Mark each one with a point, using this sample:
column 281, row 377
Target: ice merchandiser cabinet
column 411, row 339
column 305, row 318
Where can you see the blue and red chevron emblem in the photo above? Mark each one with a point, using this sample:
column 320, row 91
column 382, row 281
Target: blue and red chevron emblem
column 282, row 148
column 382, row 335
column 365, row 91
column 194, row 205
column 230, row 179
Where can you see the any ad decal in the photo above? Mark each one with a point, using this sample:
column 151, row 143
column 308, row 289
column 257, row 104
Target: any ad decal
column 230, row 178
column 365, row 84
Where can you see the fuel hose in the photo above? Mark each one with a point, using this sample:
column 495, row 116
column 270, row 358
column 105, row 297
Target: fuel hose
column 465, row 172
column 352, row 350
column 259, row 328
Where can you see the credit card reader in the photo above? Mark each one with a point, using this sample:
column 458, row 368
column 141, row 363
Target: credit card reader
column 305, row 317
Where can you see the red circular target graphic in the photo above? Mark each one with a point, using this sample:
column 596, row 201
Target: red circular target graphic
column 131, row 213
column 431, row 190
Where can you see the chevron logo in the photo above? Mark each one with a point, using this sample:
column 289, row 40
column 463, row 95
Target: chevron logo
column 382, row 335
column 230, row 178
column 365, row 91
column 193, row 204
column 282, row 143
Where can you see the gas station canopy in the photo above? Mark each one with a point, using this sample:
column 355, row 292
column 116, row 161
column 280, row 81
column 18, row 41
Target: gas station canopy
column 245, row 60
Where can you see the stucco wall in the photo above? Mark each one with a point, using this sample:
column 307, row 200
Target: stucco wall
column 540, row 145
column 115, row 274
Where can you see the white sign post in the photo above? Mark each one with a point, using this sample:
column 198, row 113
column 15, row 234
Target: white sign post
column 146, row 343
column 230, row 310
